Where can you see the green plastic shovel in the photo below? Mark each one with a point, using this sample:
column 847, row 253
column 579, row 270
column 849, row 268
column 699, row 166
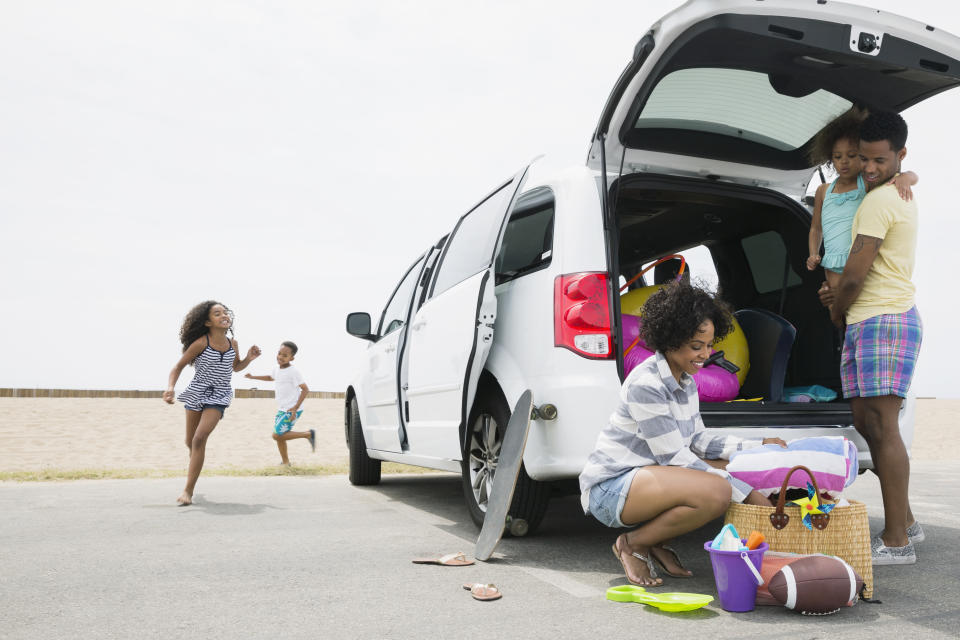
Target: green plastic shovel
column 662, row 601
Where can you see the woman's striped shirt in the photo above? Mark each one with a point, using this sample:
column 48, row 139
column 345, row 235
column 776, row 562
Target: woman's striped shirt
column 657, row 422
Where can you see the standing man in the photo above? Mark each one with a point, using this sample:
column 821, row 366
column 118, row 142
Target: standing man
column 875, row 299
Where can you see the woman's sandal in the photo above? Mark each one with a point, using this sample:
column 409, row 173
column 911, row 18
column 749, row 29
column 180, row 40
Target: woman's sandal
column 663, row 567
column 645, row 559
column 483, row 591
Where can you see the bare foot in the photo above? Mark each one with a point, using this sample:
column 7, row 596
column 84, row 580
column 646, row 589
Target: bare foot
column 669, row 561
column 636, row 563
column 185, row 499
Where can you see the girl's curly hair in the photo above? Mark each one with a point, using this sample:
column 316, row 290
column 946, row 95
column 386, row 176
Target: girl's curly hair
column 672, row 316
column 193, row 325
column 846, row 126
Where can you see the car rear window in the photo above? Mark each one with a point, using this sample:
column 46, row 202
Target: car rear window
column 737, row 103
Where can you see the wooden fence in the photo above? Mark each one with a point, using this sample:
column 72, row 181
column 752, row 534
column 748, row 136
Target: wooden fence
column 127, row 393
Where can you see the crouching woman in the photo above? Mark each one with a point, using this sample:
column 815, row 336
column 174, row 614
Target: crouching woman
column 655, row 465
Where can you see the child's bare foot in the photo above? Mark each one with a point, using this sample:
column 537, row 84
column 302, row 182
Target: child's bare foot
column 636, row 563
column 185, row 499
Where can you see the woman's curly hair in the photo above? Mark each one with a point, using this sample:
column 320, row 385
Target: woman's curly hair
column 194, row 325
column 846, row 126
column 672, row 316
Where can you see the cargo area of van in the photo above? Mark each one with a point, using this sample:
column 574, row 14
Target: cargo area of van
column 757, row 240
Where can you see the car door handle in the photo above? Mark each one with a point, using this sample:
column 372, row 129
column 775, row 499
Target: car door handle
column 390, row 349
column 419, row 325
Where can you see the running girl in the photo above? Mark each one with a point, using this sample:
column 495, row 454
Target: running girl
column 838, row 144
column 214, row 356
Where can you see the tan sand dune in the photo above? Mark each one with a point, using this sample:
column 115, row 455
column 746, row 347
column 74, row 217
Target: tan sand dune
column 122, row 433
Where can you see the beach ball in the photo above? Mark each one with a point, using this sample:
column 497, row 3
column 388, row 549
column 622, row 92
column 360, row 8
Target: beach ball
column 733, row 345
column 714, row 384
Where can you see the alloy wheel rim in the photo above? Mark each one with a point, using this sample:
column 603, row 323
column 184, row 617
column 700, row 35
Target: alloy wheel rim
column 484, row 453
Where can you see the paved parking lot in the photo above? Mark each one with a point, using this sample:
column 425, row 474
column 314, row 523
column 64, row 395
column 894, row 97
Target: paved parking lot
column 295, row 557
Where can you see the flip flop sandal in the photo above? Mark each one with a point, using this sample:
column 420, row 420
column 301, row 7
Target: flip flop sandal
column 645, row 559
column 676, row 557
column 450, row 560
column 483, row 591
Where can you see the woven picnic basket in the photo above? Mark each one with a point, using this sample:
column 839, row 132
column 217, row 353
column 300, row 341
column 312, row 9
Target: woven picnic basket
column 844, row 532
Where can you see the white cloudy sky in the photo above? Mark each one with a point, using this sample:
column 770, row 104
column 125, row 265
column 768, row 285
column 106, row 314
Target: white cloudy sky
column 290, row 158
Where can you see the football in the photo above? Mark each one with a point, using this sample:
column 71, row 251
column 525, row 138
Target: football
column 818, row 584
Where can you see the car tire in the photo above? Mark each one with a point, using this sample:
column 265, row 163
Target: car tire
column 364, row 470
column 530, row 497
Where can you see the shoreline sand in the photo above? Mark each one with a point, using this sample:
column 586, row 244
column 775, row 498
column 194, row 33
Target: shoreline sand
column 38, row 434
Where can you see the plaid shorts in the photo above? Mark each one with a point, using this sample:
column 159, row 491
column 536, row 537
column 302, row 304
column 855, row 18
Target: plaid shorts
column 879, row 355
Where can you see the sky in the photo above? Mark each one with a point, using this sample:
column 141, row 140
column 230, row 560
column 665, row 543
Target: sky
column 291, row 159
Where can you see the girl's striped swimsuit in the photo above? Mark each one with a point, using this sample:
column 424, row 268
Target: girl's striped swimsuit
column 211, row 382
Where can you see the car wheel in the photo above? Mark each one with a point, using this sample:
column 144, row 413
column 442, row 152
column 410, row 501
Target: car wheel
column 481, row 450
column 364, row 470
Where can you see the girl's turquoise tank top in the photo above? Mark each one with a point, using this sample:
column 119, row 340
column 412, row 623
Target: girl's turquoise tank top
column 836, row 219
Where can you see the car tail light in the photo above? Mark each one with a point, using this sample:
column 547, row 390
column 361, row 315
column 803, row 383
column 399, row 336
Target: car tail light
column 581, row 314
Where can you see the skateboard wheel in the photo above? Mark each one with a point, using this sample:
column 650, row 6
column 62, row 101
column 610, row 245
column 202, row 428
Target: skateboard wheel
column 518, row 527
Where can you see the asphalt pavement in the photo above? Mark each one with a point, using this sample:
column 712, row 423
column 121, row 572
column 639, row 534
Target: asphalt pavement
column 314, row 557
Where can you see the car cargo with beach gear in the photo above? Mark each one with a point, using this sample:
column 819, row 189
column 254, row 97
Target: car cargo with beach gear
column 700, row 150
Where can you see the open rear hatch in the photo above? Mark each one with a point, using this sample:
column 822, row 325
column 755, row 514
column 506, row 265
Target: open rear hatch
column 731, row 92
column 735, row 90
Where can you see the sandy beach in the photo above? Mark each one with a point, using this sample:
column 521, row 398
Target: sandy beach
column 147, row 434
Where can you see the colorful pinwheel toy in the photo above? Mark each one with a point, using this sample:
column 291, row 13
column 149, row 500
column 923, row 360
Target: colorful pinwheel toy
column 811, row 505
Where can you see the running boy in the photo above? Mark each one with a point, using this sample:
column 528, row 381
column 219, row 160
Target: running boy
column 290, row 392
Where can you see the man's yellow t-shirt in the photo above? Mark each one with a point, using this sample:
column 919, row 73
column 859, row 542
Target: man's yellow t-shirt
column 888, row 287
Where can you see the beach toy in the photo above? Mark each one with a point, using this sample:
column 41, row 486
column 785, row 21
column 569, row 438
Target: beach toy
column 733, row 345
column 737, row 575
column 727, row 540
column 662, row 601
column 754, row 539
column 714, row 383
column 632, row 301
column 811, row 506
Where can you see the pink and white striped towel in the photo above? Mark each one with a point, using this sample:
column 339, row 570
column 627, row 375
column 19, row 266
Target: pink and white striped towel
column 832, row 459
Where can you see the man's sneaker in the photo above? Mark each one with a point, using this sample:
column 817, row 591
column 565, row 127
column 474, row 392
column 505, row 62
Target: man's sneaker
column 915, row 532
column 313, row 444
column 882, row 554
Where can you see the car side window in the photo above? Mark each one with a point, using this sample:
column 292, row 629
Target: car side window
column 395, row 313
column 767, row 257
column 470, row 248
column 528, row 239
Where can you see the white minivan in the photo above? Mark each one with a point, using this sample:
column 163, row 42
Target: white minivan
column 700, row 150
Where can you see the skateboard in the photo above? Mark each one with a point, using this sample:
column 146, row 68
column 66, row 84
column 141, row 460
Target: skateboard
column 505, row 480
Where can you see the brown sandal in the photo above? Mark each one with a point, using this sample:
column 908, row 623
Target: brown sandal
column 483, row 591
column 663, row 567
column 619, row 555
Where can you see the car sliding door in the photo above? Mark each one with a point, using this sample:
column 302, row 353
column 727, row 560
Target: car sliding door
column 451, row 333
column 381, row 426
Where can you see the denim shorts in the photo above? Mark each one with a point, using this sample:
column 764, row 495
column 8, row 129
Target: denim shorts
column 219, row 407
column 608, row 497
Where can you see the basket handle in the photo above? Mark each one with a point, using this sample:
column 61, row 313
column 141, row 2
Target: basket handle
column 779, row 519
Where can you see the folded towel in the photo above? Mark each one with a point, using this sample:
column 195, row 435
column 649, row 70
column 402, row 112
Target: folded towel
column 832, row 459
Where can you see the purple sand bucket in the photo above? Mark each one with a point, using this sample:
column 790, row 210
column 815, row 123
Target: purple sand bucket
column 737, row 574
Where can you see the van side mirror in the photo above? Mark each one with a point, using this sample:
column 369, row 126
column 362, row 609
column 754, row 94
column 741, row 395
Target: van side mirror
column 358, row 324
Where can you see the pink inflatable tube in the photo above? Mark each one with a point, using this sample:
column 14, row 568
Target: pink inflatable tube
column 714, row 384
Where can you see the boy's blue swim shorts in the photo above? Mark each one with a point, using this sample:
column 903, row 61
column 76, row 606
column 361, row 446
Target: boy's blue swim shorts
column 282, row 423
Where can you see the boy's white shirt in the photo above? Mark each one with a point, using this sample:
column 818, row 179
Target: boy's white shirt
column 287, row 389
